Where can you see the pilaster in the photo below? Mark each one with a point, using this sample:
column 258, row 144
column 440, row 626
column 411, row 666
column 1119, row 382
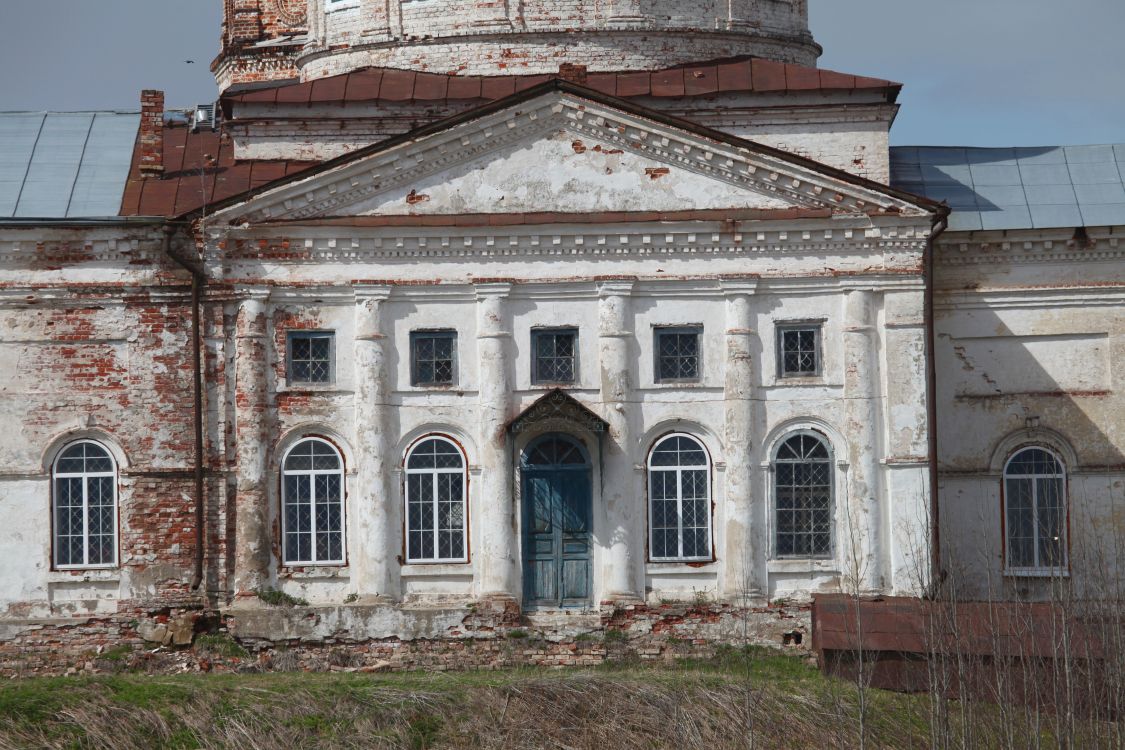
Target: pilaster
column 741, row 577
column 498, row 550
column 251, row 422
column 376, row 537
column 860, row 541
column 624, row 510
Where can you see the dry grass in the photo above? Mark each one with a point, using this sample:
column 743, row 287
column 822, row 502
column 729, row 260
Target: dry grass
column 740, row 700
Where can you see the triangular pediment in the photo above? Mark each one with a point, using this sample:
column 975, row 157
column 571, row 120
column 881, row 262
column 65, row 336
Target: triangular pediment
column 558, row 151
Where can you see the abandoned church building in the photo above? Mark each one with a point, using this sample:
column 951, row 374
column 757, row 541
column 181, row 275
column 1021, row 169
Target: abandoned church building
column 455, row 318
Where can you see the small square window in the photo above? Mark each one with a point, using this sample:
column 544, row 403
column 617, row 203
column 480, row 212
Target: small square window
column 433, row 357
column 311, row 357
column 555, row 355
column 677, row 354
column 798, row 350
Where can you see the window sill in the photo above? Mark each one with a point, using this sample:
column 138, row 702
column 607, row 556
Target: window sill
column 681, row 567
column 802, row 566
column 310, row 572
column 436, row 570
column 1037, row 573
column 312, row 388
column 85, row 575
column 800, row 381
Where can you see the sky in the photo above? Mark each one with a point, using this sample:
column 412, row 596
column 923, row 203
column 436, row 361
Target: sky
column 976, row 72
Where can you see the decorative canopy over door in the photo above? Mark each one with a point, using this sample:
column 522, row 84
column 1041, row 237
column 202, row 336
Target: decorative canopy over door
column 558, row 410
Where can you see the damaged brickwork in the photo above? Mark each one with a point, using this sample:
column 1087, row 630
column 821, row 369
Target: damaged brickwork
column 485, row 635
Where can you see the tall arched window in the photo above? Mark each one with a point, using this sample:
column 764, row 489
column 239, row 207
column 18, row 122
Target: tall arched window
column 802, row 495
column 679, row 492
column 435, row 502
column 85, row 507
column 1035, row 510
column 312, row 518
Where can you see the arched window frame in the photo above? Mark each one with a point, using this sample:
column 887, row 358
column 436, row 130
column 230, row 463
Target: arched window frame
column 288, row 557
column 85, row 477
column 775, row 485
column 679, row 470
column 434, row 530
column 1037, row 568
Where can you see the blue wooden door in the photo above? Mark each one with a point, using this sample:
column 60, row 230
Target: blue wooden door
column 557, row 507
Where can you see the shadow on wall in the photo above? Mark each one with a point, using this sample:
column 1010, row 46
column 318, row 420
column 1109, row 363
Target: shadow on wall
column 1028, row 377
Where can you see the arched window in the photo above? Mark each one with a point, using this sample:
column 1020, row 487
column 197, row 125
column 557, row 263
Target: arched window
column 85, row 512
column 312, row 518
column 435, row 502
column 1035, row 510
column 679, row 492
column 802, row 497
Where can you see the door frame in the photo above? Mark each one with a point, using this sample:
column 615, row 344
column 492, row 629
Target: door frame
column 591, row 468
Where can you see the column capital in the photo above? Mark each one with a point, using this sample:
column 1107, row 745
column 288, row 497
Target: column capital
column 732, row 287
column 486, row 289
column 615, row 287
column 252, row 293
column 372, row 292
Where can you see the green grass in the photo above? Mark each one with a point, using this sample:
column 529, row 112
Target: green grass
column 280, row 598
column 716, row 703
column 220, row 644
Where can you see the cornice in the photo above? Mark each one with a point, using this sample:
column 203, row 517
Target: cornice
column 1030, row 251
column 328, row 194
column 396, row 243
column 46, row 250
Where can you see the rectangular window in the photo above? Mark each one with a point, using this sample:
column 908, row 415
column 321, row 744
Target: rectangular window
column 311, row 357
column 555, row 357
column 433, row 358
column 798, row 350
column 677, row 355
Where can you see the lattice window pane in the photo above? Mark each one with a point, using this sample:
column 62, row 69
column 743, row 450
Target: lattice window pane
column 434, row 358
column 555, row 356
column 435, row 500
column 677, row 355
column 798, row 351
column 803, row 498
column 310, row 357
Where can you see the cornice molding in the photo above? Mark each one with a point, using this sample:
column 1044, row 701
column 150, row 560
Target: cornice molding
column 1029, row 251
column 406, row 243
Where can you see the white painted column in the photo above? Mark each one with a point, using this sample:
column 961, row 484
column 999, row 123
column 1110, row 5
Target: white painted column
column 860, row 539
column 377, row 534
column 498, row 549
column 624, row 510
column 251, row 413
column 740, row 574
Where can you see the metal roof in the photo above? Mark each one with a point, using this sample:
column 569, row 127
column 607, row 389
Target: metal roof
column 1018, row 188
column 56, row 165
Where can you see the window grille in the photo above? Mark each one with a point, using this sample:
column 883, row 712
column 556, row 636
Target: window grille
column 312, row 480
column 798, row 351
column 435, row 502
column 679, row 500
column 311, row 357
column 85, row 507
column 433, row 357
column 1035, row 510
column 556, row 356
column 803, row 476
column 677, row 354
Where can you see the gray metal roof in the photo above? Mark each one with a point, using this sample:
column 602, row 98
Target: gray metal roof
column 1017, row 188
column 56, row 165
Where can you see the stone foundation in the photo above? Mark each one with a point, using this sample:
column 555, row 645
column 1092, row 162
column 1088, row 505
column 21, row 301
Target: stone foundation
column 370, row 638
